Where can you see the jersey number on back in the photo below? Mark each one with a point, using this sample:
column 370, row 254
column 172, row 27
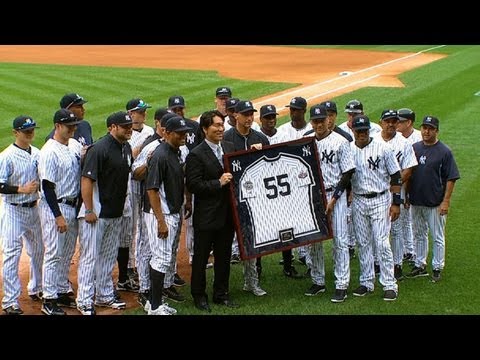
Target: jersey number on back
column 272, row 188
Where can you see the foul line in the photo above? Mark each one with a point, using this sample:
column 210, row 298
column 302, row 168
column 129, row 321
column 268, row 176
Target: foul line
column 303, row 88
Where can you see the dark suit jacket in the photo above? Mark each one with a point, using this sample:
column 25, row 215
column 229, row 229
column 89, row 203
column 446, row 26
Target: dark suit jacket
column 212, row 208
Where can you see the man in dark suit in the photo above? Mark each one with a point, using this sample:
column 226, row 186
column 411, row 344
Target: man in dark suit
column 212, row 217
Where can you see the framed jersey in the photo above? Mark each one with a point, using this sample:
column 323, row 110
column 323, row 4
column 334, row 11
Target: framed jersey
column 278, row 197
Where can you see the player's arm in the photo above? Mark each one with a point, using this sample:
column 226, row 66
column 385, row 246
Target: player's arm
column 52, row 201
column 395, row 188
column 86, row 186
column 339, row 189
column 445, row 204
column 153, row 182
column 188, row 203
column 156, row 206
column 29, row 188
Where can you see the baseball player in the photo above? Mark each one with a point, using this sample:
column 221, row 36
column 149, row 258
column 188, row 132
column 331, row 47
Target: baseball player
column 331, row 107
column 429, row 191
column 20, row 218
column 165, row 188
column 295, row 129
column 376, row 172
column 59, row 171
column 337, row 166
column 403, row 151
column 406, row 118
column 104, row 182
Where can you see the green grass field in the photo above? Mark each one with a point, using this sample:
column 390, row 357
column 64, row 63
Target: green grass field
column 445, row 88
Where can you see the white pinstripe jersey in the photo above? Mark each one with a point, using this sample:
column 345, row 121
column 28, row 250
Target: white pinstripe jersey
column 137, row 139
column 414, row 137
column 278, row 193
column 18, row 167
column 402, row 149
column 373, row 166
column 335, row 156
column 278, row 137
column 288, row 132
column 60, row 164
column 143, row 156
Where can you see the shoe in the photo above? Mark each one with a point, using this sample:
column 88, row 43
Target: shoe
column 376, row 268
column 133, row 275
column 86, row 310
column 339, row 296
column 397, row 272
column 128, row 285
column 142, row 298
column 417, row 272
column 436, row 276
column 116, row 294
column 235, row 259
column 227, row 302
column 67, row 301
column 159, row 311
column 50, row 307
column 255, row 290
column 178, row 281
column 302, row 260
column 114, row 304
column 281, row 260
column 70, row 289
column 362, row 291
column 13, row 310
column 172, row 294
column 36, row 297
column 292, row 273
column 389, row 295
column 168, row 309
column 408, row 258
column 202, row 305
column 351, row 252
column 315, row 289
column 209, row 265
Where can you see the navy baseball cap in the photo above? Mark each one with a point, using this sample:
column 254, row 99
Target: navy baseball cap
column 354, row 106
column 176, row 124
column 406, row 114
column 231, row 103
column 24, row 122
column 318, row 112
column 176, row 101
column 71, row 99
column 137, row 105
column 164, row 119
column 160, row 112
column 298, row 103
column 431, row 121
column 361, row 122
column 389, row 114
column 223, row 91
column 330, row 105
column 266, row 110
column 244, row 106
column 119, row 118
column 65, row 117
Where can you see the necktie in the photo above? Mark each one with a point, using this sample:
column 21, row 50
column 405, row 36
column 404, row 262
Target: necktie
column 219, row 155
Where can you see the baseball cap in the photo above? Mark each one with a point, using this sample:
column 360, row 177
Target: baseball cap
column 318, row 112
column 176, row 124
column 330, row 106
column 176, row 101
column 66, row 117
column 406, row 114
column 268, row 110
column 389, row 114
column 354, row 106
column 24, row 122
column 71, row 99
column 361, row 122
column 164, row 119
column 431, row 121
column 223, row 91
column 119, row 118
column 298, row 103
column 244, row 106
column 160, row 112
column 136, row 105
column 231, row 103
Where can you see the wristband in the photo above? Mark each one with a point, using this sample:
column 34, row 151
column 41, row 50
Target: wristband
column 397, row 199
column 337, row 193
column 88, row 211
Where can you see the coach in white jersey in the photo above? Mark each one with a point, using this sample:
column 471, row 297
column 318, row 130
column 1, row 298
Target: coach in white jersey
column 403, row 151
column 406, row 118
column 429, row 191
column 376, row 172
column 337, row 166
column 59, row 171
column 20, row 219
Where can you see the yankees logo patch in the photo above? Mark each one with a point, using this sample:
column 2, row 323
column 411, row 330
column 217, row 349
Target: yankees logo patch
column 328, row 157
column 373, row 164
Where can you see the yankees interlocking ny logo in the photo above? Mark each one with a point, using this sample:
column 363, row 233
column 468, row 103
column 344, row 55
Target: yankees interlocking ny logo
column 328, row 157
column 236, row 166
column 306, row 150
column 423, row 159
column 373, row 164
column 190, row 138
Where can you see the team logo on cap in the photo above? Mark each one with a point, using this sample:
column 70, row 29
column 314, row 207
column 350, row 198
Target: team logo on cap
column 294, row 100
column 28, row 121
column 247, row 104
column 428, row 119
column 182, row 122
column 361, row 120
column 269, row 108
column 127, row 117
column 317, row 111
column 177, row 101
column 327, row 104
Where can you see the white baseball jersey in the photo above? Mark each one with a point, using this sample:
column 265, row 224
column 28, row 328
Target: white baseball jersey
column 414, row 137
column 137, row 139
column 278, row 193
column 402, row 149
column 277, row 138
column 288, row 132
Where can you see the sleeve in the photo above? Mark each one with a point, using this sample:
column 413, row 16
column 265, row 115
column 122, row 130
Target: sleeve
column 409, row 159
column 450, row 167
column 345, row 156
column 92, row 164
column 6, row 169
column 391, row 162
column 48, row 165
column 156, row 170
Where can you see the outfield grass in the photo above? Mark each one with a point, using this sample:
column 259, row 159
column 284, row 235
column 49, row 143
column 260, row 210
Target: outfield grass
column 444, row 88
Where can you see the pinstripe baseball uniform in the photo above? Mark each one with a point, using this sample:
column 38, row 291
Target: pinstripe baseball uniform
column 405, row 156
column 336, row 158
column 20, row 222
column 60, row 165
column 370, row 210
